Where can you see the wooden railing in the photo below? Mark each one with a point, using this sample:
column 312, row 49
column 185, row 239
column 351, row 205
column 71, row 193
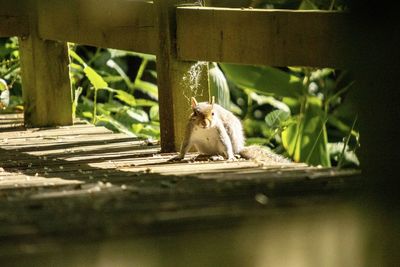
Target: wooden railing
column 177, row 34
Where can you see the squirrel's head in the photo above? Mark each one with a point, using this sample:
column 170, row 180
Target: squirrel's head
column 203, row 113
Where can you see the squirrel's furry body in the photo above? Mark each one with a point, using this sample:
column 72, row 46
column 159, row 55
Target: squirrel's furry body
column 218, row 134
column 215, row 131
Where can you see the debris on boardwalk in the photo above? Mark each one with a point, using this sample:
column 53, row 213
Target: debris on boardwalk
column 89, row 177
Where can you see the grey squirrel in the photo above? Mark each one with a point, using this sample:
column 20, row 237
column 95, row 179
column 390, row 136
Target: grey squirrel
column 215, row 131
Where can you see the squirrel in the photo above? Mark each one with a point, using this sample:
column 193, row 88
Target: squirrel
column 215, row 131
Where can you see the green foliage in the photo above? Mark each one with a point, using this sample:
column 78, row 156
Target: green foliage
column 263, row 79
column 11, row 100
column 219, row 86
column 117, row 102
column 303, row 112
column 304, row 102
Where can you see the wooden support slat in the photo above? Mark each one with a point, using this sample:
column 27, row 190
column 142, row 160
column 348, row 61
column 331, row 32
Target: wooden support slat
column 119, row 24
column 173, row 77
column 265, row 37
column 45, row 78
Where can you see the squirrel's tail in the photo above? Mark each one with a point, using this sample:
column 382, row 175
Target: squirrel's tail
column 261, row 153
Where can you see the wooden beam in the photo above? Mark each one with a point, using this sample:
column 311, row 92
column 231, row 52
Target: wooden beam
column 119, row 24
column 174, row 77
column 265, row 37
column 13, row 26
column 13, row 21
column 45, row 79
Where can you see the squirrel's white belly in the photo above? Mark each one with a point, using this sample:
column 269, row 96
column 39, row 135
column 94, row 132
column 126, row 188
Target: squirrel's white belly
column 208, row 141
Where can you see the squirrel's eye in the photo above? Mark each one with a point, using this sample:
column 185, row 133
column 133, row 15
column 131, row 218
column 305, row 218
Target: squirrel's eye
column 212, row 113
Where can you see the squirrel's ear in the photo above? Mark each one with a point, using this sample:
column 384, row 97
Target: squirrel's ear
column 194, row 102
column 212, row 100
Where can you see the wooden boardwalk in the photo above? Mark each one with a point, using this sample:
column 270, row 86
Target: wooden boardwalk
column 87, row 180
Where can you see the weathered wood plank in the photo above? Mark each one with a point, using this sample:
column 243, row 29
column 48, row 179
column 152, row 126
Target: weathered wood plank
column 175, row 86
column 64, row 132
column 45, row 78
column 13, row 26
column 121, row 187
column 120, row 24
column 265, row 37
column 13, row 19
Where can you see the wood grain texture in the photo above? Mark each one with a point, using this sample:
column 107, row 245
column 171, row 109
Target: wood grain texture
column 175, row 81
column 46, row 85
column 13, row 18
column 94, row 182
column 45, row 77
column 263, row 37
column 83, row 151
column 119, row 24
column 13, row 26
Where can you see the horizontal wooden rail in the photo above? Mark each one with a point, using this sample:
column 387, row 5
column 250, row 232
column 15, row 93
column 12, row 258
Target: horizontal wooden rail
column 13, row 21
column 264, row 37
column 13, row 26
column 119, row 24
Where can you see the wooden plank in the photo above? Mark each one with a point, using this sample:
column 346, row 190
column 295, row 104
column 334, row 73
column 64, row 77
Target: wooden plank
column 13, row 19
column 45, row 78
column 265, row 37
column 175, row 86
column 112, row 188
column 55, row 132
column 120, row 24
column 13, row 26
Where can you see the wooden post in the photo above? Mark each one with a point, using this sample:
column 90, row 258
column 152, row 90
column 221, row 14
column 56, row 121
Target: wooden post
column 45, row 78
column 176, row 81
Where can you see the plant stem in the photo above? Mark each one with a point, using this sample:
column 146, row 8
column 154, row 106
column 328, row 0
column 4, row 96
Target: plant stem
column 341, row 158
column 139, row 74
column 95, row 107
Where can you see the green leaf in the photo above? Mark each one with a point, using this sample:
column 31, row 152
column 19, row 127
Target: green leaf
column 307, row 5
column 152, row 73
column 145, row 103
column 95, row 79
column 341, row 126
column 77, row 93
column 262, row 99
column 306, row 141
column 126, row 98
column 112, row 64
column 276, row 118
column 264, row 79
column 348, row 158
column 75, row 56
column 151, row 131
column 3, row 85
column 112, row 123
column 147, row 87
column 320, row 74
column 154, row 113
column 138, row 115
column 219, row 86
column 87, row 114
column 137, row 127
